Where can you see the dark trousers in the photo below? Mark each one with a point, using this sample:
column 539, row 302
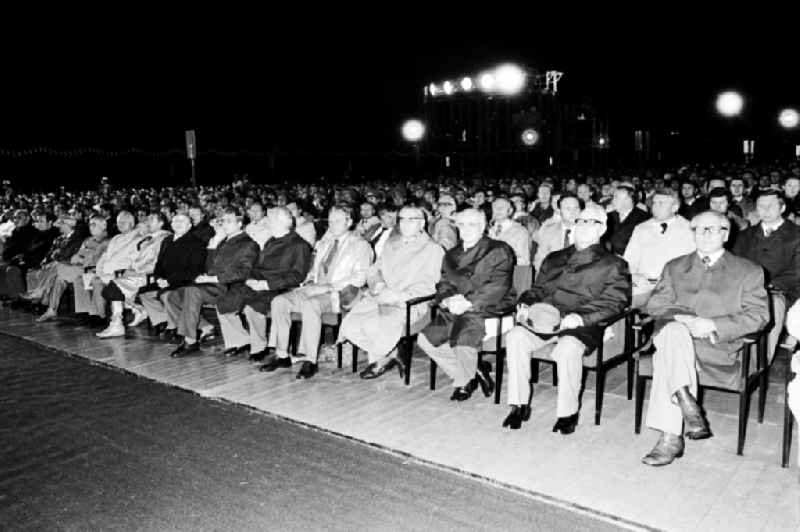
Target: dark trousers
column 184, row 306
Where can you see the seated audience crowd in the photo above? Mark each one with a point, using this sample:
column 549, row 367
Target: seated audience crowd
column 709, row 254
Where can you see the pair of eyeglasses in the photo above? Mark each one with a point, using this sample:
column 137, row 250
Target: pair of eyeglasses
column 709, row 230
column 585, row 221
column 410, row 218
column 446, row 204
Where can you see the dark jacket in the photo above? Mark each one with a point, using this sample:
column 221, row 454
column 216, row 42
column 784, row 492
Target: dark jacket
column 65, row 247
column 778, row 254
column 232, row 262
column 180, row 260
column 592, row 283
column 619, row 233
column 483, row 274
column 700, row 204
column 39, row 247
column 731, row 293
column 203, row 231
column 19, row 241
column 283, row 263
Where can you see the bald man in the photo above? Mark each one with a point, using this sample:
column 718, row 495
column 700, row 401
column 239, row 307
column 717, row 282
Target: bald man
column 587, row 285
column 703, row 305
column 476, row 283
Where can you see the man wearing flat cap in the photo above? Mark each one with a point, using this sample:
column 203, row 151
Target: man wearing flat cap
column 586, row 284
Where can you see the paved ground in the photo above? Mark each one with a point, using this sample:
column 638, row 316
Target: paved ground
column 88, row 448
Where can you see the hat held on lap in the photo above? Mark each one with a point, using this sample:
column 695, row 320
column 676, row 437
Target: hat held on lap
column 543, row 318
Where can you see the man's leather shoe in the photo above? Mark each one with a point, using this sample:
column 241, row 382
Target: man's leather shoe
column 668, row 448
column 258, row 357
column 276, row 363
column 696, row 424
column 172, row 336
column 157, row 330
column 484, row 378
column 518, row 414
column 372, row 371
column 566, row 425
column 462, row 393
column 233, row 351
column 307, row 370
column 185, row 349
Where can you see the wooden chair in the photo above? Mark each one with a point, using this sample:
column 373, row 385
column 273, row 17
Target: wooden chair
column 748, row 380
column 599, row 360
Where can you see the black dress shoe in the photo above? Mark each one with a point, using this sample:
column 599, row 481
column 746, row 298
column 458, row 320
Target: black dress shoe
column 373, row 371
column 307, row 370
column 234, row 351
column 484, row 378
column 157, row 330
column 462, row 393
column 566, row 425
column 172, row 336
column 276, row 363
column 258, row 357
column 185, row 349
column 517, row 415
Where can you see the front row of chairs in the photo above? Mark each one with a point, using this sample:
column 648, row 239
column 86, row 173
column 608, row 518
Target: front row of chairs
column 628, row 333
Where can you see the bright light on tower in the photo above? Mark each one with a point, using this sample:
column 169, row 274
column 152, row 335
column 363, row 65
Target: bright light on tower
column 448, row 88
column 789, row 118
column 510, row 79
column 730, row 103
column 486, row 81
column 530, row 137
column 434, row 90
column 413, row 130
column 602, row 141
column 466, row 84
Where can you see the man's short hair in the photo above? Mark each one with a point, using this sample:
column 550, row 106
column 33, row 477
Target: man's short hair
column 467, row 214
column 671, row 192
column 387, row 207
column 125, row 215
column 628, row 189
column 720, row 193
column 596, row 212
column 772, row 192
column 161, row 216
column 282, row 212
column 235, row 211
column 344, row 208
column 566, row 195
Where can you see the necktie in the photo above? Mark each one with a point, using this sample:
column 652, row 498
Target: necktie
column 706, row 261
column 768, row 231
column 566, row 237
column 663, row 227
column 326, row 262
column 496, row 230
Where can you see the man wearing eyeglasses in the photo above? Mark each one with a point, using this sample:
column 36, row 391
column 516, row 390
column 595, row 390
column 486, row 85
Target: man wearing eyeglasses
column 441, row 228
column 586, row 284
column 703, row 305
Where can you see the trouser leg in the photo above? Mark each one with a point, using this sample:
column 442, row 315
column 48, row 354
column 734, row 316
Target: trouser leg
column 281, row 310
column 446, row 358
column 568, row 354
column 673, row 368
column 779, row 317
column 233, row 333
column 193, row 299
column 98, row 305
column 311, row 311
column 258, row 329
column 153, row 307
column 520, row 343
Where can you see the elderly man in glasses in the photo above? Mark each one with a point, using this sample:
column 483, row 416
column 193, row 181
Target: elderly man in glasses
column 586, row 284
column 703, row 305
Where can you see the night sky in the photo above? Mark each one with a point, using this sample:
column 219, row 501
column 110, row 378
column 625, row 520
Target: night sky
column 314, row 84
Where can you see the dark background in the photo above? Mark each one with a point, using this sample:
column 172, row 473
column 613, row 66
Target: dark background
column 342, row 83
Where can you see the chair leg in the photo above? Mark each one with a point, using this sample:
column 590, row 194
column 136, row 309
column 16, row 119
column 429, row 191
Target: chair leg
column 641, row 386
column 339, row 356
column 534, row 370
column 354, row 357
column 762, row 393
column 630, row 379
column 433, row 375
column 598, row 394
column 788, row 425
column 498, row 377
column 744, row 410
column 555, row 375
column 701, row 394
column 408, row 345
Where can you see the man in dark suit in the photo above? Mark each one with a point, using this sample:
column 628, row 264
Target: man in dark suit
column 181, row 259
column 622, row 221
column 476, row 283
column 775, row 245
column 231, row 254
column 282, row 265
column 200, row 226
column 703, row 305
column 30, row 253
column 586, row 284
column 692, row 202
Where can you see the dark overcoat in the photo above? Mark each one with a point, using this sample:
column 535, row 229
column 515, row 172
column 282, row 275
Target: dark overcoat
column 232, row 262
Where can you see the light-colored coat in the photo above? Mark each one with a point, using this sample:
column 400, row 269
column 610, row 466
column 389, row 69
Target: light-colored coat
column 349, row 266
column 549, row 238
column 119, row 255
column 409, row 268
column 143, row 264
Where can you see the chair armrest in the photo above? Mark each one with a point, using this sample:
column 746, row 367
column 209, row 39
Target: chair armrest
column 417, row 300
column 614, row 319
